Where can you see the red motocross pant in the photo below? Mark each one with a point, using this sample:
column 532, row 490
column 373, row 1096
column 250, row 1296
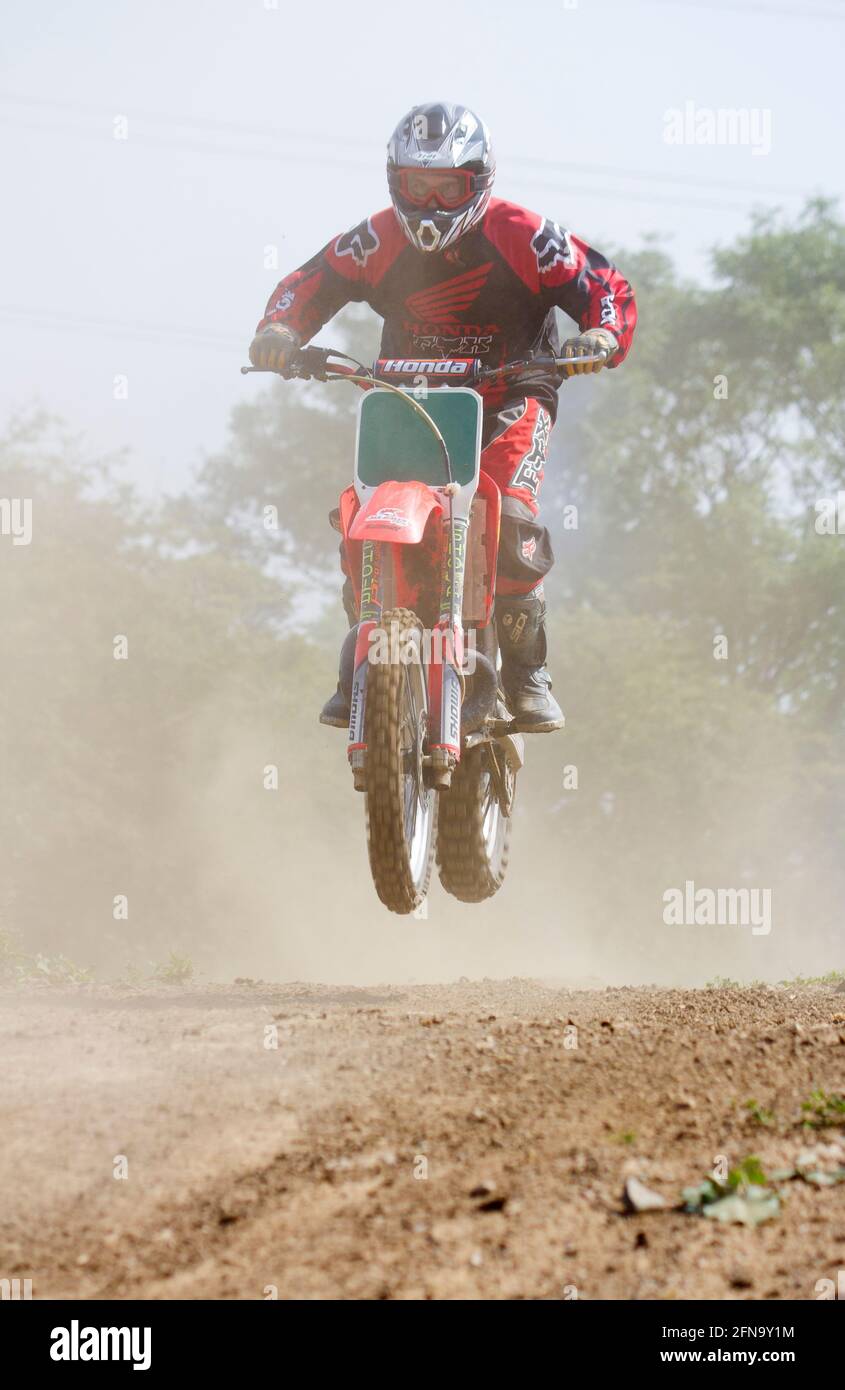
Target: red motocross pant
column 515, row 446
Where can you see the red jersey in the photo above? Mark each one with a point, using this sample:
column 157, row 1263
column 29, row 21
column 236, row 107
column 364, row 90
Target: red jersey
column 489, row 297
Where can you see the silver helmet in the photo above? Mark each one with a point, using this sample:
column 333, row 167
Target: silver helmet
column 440, row 170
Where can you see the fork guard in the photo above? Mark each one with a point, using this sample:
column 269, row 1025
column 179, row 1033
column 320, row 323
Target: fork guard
column 396, row 512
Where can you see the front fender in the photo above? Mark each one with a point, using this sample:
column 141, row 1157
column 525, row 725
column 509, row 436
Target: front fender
column 395, row 512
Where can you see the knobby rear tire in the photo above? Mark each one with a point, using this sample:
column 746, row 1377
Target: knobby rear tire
column 472, row 853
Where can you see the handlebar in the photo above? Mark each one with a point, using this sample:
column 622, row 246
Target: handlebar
column 554, row 366
column 317, row 363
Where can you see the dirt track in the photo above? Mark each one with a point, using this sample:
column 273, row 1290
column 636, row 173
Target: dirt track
column 252, row 1166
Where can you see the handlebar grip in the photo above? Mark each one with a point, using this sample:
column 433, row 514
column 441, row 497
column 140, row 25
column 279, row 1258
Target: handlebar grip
column 307, row 362
column 310, row 361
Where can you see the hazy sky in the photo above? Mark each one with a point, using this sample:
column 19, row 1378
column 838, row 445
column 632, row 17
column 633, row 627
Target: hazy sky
column 251, row 126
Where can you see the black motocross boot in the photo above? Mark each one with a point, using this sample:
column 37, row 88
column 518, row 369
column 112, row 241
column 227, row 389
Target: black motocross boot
column 521, row 627
column 335, row 711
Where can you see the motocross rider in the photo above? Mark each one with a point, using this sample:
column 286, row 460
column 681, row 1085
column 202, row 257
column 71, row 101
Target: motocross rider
column 455, row 272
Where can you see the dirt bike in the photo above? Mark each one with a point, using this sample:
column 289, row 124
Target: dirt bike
column 431, row 743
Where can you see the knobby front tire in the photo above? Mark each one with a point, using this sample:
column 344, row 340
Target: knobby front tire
column 401, row 815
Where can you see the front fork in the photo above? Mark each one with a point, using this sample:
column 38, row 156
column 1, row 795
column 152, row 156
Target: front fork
column 446, row 683
column 372, row 606
column 445, row 661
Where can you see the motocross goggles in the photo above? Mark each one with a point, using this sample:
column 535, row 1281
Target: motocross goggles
column 445, row 188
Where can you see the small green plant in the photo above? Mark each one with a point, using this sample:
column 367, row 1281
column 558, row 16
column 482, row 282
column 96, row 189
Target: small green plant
column 759, row 1114
column 628, row 1136
column 176, row 970
column 823, row 1109
column 21, row 967
column 742, row 1198
column 833, row 977
column 747, row 1173
column 58, row 970
column 10, row 952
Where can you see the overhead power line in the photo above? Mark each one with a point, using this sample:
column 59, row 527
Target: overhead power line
column 518, row 175
column 122, row 327
column 564, row 167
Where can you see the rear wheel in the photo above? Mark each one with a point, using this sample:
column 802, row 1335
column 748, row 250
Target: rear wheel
column 474, row 833
column 401, row 810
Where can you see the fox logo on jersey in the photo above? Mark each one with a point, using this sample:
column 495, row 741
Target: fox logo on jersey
column 550, row 245
column 360, row 243
column 609, row 315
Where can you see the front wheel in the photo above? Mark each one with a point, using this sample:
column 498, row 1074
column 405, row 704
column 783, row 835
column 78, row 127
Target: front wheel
column 474, row 835
column 401, row 810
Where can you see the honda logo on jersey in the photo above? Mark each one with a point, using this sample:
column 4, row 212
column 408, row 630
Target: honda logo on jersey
column 550, row 245
column 443, row 302
column 360, row 243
